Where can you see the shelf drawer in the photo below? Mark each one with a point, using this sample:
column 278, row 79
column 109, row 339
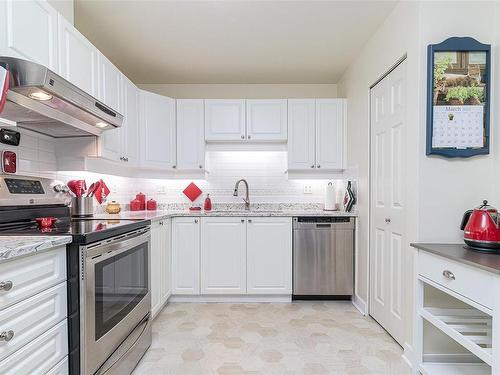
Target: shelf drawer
column 32, row 317
column 32, row 274
column 462, row 279
column 40, row 355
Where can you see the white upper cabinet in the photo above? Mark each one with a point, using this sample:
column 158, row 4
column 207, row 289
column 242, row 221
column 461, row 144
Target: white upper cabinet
column 301, row 133
column 316, row 134
column 266, row 120
column 29, row 31
column 330, row 133
column 110, row 92
column 110, row 79
column 225, row 120
column 158, row 131
column 130, row 128
column 269, row 255
column 190, row 134
column 223, row 255
column 77, row 58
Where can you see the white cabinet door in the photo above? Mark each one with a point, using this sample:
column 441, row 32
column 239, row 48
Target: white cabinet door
column 190, row 134
column 77, row 57
column 130, row 129
column 110, row 92
column 155, row 267
column 267, row 120
column 225, row 120
column 269, row 255
column 301, row 134
column 223, row 255
column 185, row 255
column 157, row 131
column 29, row 31
column 166, row 238
column 330, row 133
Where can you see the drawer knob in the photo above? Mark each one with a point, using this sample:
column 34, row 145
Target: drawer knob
column 6, row 285
column 449, row 275
column 196, row 221
column 6, row 335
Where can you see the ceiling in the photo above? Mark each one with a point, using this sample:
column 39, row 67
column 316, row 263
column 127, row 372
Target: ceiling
column 230, row 41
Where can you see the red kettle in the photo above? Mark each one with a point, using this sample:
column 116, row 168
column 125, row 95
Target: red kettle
column 481, row 228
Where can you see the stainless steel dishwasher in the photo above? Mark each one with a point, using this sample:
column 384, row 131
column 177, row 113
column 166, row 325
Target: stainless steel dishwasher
column 323, row 257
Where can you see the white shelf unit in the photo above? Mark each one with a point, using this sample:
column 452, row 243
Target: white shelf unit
column 473, row 325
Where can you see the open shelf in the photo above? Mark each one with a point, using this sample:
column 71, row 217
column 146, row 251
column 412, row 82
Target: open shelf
column 429, row 368
column 471, row 328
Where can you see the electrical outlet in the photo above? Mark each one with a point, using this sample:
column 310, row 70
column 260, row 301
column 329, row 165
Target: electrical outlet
column 308, row 189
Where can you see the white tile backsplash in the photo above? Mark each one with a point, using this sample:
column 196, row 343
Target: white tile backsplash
column 265, row 171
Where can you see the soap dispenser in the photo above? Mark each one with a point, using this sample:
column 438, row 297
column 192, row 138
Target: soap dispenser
column 208, row 203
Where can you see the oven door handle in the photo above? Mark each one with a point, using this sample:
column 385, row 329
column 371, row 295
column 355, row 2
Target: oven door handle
column 110, row 249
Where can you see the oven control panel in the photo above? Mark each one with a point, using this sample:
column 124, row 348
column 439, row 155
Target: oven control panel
column 21, row 186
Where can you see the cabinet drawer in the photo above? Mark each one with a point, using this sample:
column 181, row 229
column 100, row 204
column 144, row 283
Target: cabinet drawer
column 32, row 274
column 31, row 317
column 40, row 355
column 467, row 281
column 62, row 368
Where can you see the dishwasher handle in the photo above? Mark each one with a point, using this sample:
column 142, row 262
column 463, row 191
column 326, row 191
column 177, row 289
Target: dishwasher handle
column 323, row 223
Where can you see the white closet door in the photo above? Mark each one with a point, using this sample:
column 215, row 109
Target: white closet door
column 388, row 206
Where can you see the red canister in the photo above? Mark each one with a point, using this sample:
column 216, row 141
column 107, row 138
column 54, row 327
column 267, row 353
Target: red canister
column 151, row 205
column 135, row 205
column 141, row 198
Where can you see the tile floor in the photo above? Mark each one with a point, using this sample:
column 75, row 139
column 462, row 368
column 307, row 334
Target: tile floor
column 269, row 338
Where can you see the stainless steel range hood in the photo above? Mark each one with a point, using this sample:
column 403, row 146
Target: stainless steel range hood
column 42, row 101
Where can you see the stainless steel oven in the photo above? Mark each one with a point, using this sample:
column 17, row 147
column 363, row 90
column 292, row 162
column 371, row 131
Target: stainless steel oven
column 115, row 303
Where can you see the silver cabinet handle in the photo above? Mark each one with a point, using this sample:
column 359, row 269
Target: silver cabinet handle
column 6, row 285
column 449, row 275
column 242, row 221
column 126, row 159
column 174, row 166
column 242, row 137
column 196, row 221
column 249, row 136
column 319, row 166
column 6, row 335
column 201, row 166
column 387, row 220
column 249, row 220
column 312, row 166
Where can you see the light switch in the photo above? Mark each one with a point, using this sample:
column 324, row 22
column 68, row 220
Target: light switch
column 308, row 189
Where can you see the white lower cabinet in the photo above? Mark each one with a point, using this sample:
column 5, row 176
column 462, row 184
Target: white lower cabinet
column 40, row 355
column 160, row 264
column 62, row 368
column 186, row 255
column 269, row 255
column 223, row 255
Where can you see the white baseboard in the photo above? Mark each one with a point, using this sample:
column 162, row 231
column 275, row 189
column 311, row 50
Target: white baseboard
column 231, row 299
column 360, row 304
column 408, row 355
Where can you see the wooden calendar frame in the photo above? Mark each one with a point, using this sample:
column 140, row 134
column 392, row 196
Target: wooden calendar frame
column 459, row 45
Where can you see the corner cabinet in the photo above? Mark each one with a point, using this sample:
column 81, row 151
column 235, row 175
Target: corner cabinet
column 316, row 139
column 186, row 255
column 190, row 134
column 223, row 255
column 29, row 31
column 158, row 141
column 269, row 255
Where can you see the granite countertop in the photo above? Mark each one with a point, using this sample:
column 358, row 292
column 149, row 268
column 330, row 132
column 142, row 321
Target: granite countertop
column 459, row 252
column 160, row 214
column 17, row 246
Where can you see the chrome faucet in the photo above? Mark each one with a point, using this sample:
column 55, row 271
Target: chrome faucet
column 247, row 198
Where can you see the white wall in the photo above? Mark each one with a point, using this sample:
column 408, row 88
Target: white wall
column 439, row 190
column 236, row 91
